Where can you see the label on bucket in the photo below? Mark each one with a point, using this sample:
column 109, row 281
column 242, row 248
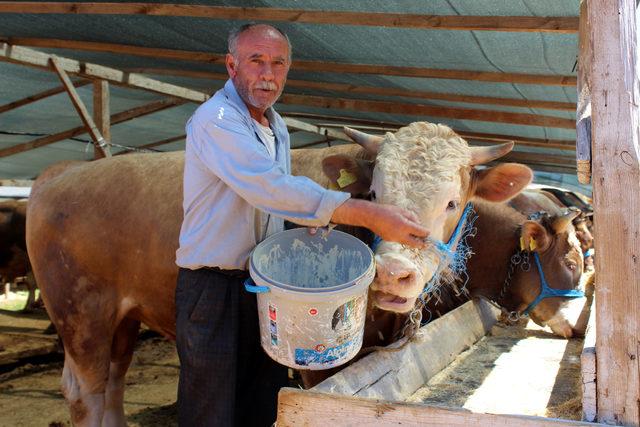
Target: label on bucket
column 273, row 326
column 305, row 357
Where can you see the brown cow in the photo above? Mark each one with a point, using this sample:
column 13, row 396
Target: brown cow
column 102, row 240
column 14, row 261
column 556, row 201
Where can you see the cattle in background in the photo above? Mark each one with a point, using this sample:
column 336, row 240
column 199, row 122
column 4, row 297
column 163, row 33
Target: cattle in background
column 14, row 261
column 555, row 201
column 105, row 262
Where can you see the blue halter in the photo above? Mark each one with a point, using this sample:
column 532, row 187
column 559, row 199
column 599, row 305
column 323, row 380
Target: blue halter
column 442, row 247
column 547, row 292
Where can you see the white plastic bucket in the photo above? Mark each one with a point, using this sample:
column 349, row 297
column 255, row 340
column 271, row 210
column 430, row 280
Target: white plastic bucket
column 312, row 296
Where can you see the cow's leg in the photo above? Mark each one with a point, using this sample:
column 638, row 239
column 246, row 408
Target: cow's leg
column 84, row 390
column 30, row 281
column 121, row 354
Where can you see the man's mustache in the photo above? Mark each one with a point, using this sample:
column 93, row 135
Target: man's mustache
column 266, row 86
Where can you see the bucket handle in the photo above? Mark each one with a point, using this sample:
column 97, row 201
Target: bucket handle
column 250, row 286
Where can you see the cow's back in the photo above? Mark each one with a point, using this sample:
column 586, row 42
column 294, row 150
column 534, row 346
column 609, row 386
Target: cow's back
column 104, row 234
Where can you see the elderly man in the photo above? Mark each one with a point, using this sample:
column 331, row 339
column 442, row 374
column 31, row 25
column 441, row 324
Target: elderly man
column 237, row 190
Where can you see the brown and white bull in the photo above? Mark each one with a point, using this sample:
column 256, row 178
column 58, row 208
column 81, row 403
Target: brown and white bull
column 102, row 240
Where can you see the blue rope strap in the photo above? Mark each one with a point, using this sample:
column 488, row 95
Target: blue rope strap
column 547, row 292
column 456, row 259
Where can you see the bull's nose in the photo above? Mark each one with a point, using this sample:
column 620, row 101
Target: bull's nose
column 395, row 274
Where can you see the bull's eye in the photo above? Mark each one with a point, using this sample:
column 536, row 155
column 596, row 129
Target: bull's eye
column 452, row 205
column 572, row 266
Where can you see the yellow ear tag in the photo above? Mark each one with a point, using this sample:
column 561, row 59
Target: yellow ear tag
column 532, row 245
column 346, row 178
column 522, row 243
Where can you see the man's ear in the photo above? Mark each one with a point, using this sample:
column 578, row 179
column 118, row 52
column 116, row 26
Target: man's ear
column 348, row 173
column 230, row 63
column 535, row 237
column 502, row 182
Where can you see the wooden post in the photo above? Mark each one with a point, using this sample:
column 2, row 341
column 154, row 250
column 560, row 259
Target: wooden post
column 615, row 95
column 101, row 113
column 98, row 140
column 583, row 112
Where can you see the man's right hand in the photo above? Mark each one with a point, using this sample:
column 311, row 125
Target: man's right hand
column 389, row 222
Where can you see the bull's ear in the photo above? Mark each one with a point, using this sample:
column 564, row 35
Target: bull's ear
column 348, row 173
column 502, row 182
column 535, row 237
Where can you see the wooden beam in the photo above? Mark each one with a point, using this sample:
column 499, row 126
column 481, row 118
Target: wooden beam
column 312, row 409
column 101, row 113
column 313, row 66
column 163, row 142
column 583, row 110
column 539, row 158
column 615, row 112
column 588, row 369
column 397, row 375
column 42, row 95
column 30, row 57
column 471, row 137
column 427, row 110
column 121, row 117
column 308, row 127
column 334, row 17
column 98, row 141
column 372, row 90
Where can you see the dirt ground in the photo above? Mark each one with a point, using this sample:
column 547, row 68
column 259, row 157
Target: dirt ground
column 30, row 393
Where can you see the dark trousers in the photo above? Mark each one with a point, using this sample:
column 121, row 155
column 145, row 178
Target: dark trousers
column 226, row 379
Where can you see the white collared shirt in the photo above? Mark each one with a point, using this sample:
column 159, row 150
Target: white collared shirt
column 230, row 177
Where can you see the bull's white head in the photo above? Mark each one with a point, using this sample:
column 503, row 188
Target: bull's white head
column 427, row 169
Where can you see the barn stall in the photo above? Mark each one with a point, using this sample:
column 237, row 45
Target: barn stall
column 494, row 72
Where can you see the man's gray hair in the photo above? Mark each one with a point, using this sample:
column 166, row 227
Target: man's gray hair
column 234, row 35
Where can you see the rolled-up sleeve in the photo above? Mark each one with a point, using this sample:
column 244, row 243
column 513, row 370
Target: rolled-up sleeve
column 227, row 146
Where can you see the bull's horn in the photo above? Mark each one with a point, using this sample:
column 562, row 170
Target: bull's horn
column 482, row 155
column 371, row 143
column 561, row 223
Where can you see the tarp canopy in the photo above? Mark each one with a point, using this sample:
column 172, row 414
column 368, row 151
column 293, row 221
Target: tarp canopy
column 515, row 80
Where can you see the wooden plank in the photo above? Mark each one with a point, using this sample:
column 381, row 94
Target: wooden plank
column 374, row 126
column 373, row 90
column 432, row 73
column 310, row 409
column 70, row 133
column 101, row 113
column 163, row 142
column 37, row 97
column 427, row 110
column 583, row 111
column 396, row 375
column 98, row 141
column 615, row 97
column 588, row 362
column 539, row 158
column 334, row 17
column 26, row 56
column 313, row 66
column 308, row 127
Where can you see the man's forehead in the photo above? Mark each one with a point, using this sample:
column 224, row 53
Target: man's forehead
column 261, row 35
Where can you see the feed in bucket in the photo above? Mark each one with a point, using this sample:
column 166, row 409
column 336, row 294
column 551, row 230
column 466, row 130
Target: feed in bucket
column 312, row 296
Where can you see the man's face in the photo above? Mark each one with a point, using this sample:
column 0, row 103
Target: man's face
column 259, row 68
